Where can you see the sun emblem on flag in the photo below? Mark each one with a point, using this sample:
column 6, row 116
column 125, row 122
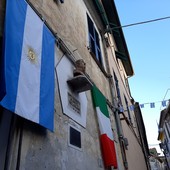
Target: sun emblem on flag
column 31, row 55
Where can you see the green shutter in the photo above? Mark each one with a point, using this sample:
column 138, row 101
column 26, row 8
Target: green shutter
column 121, row 56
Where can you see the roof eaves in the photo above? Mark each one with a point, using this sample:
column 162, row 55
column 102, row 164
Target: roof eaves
column 113, row 19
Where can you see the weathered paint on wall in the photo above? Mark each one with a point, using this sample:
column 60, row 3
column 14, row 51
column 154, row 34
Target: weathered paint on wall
column 134, row 153
column 42, row 149
column 69, row 21
column 34, row 147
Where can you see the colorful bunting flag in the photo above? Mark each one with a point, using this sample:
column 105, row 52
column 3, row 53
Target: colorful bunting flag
column 163, row 103
column 152, row 105
column 131, row 108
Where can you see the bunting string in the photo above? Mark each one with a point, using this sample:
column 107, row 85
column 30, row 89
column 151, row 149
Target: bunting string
column 164, row 103
column 152, row 104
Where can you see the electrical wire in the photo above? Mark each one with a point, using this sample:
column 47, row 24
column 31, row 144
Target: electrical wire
column 165, row 96
column 139, row 23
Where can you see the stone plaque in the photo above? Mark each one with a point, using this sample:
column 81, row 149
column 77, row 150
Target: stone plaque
column 74, row 103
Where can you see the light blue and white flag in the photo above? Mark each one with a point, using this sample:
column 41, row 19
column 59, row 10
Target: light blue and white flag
column 29, row 65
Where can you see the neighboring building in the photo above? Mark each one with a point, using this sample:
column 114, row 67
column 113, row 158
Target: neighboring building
column 156, row 162
column 142, row 132
column 90, row 31
column 164, row 134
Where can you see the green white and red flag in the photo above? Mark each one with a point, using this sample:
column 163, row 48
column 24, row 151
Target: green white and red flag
column 106, row 134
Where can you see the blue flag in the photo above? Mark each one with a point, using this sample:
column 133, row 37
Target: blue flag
column 29, row 65
column 152, row 105
column 164, row 103
column 141, row 106
column 131, row 108
column 2, row 73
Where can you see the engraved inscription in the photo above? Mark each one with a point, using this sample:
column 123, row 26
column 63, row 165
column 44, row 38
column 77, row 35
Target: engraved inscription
column 74, row 103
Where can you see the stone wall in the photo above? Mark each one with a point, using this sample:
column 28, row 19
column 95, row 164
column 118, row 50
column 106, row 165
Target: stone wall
column 33, row 147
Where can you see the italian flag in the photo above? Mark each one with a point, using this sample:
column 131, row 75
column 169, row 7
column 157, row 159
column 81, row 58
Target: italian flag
column 106, row 134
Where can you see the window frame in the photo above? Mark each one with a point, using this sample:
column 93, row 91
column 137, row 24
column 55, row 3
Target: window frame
column 128, row 111
column 94, row 43
column 69, row 137
column 117, row 89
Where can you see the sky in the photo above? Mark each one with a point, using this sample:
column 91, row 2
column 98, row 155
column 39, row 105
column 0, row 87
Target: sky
column 149, row 49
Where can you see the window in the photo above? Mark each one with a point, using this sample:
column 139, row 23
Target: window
column 127, row 107
column 117, row 90
column 166, row 145
column 74, row 137
column 94, row 43
column 167, row 130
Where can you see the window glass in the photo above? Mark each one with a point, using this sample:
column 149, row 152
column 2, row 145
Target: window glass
column 75, row 137
column 127, row 107
column 94, row 42
column 167, row 129
column 117, row 90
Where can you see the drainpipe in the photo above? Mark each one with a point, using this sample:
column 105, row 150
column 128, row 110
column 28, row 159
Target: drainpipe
column 102, row 12
column 116, row 113
column 111, row 84
column 121, row 137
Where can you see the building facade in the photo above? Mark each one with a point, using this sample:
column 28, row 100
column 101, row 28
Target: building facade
column 156, row 161
column 89, row 32
column 164, row 134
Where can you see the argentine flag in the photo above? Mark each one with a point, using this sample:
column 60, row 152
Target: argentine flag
column 29, row 65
